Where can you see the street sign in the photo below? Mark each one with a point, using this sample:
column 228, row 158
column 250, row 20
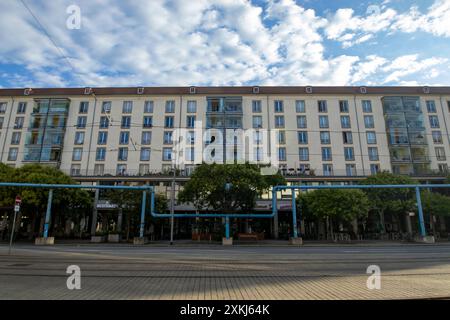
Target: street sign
column 18, row 200
column 16, row 208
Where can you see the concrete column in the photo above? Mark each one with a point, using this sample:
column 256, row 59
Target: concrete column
column 119, row 220
column 408, row 223
column 275, row 226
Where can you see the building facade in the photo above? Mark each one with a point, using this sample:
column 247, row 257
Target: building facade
column 322, row 134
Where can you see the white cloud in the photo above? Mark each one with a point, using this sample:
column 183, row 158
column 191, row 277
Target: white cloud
column 202, row 42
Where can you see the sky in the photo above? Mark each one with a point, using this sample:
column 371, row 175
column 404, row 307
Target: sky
column 46, row 43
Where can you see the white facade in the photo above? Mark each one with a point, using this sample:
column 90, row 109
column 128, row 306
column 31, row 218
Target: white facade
column 358, row 161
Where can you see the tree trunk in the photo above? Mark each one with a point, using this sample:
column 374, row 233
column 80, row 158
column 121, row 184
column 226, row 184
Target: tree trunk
column 119, row 220
column 382, row 224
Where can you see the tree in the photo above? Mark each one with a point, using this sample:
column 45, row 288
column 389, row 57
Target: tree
column 129, row 202
column 34, row 200
column 435, row 204
column 336, row 204
column 227, row 188
column 395, row 201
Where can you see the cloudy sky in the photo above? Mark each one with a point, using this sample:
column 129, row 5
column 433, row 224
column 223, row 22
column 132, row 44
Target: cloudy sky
column 224, row 42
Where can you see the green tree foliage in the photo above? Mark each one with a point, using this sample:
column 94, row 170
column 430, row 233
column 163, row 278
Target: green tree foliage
column 207, row 187
column 341, row 204
column 389, row 200
column 435, row 203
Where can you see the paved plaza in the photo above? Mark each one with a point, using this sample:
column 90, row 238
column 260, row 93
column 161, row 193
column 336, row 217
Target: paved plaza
column 215, row 272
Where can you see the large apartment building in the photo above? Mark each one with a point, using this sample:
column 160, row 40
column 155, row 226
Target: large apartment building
column 322, row 134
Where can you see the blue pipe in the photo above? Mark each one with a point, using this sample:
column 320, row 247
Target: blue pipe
column 419, row 209
column 72, row 186
column 48, row 213
column 141, row 230
column 294, row 215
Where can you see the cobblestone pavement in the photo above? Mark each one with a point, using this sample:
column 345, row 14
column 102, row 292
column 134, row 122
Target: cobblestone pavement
column 214, row 272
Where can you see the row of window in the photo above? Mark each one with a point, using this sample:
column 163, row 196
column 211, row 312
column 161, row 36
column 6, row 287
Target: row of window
column 323, row 122
column 349, row 154
column 325, row 137
column 127, row 106
column 300, row 106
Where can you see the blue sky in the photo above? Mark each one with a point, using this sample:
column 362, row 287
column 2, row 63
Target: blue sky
column 224, row 42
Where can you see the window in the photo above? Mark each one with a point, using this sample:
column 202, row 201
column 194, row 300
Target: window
column 79, row 137
column 190, row 121
column 326, row 154
column 190, row 154
column 301, row 122
column 170, row 106
column 168, row 137
column 122, row 154
column 345, row 121
column 3, row 107
column 124, row 137
column 256, row 106
column 343, row 106
column 144, row 169
column 368, row 122
column 148, row 122
column 121, row 169
column 1, row 122
column 257, row 137
column 434, row 121
column 327, row 169
column 258, row 154
column 367, row 106
column 77, row 154
column 81, row 122
column 278, row 105
column 437, row 137
column 279, row 121
column 374, row 168
column 18, row 123
column 12, row 154
column 282, row 154
column 84, row 107
column 373, row 153
column 443, row 167
column 322, row 105
column 167, row 154
column 126, row 122
column 371, row 137
column 190, row 137
column 146, row 137
column 350, row 170
column 349, row 154
column 127, row 107
column 431, row 106
column 100, row 154
column 303, row 154
column 104, row 122
column 75, row 170
column 448, row 106
column 347, row 137
column 440, row 153
column 325, row 137
column 323, row 122
column 168, row 122
column 281, row 137
column 148, row 107
column 302, row 137
column 300, row 106
column 192, row 106
column 106, row 107
column 21, row 107
column 15, row 138
column 99, row 169
column 145, row 154
column 257, row 122
column 102, row 137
